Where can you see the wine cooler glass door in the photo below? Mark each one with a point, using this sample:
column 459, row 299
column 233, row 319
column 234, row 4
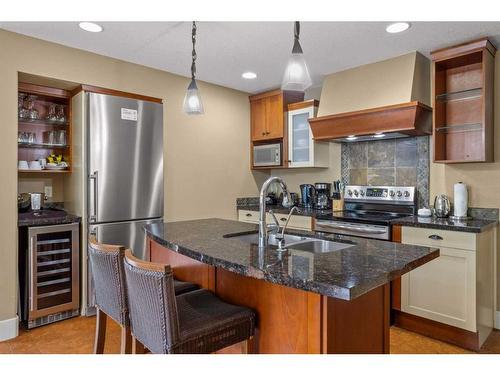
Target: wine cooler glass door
column 53, row 262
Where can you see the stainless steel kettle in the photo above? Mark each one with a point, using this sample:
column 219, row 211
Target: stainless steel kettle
column 442, row 205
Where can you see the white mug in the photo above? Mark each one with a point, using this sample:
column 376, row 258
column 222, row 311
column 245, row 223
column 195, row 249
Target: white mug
column 43, row 163
column 23, row 164
column 35, row 164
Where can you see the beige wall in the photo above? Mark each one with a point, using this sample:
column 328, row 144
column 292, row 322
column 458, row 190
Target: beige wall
column 206, row 157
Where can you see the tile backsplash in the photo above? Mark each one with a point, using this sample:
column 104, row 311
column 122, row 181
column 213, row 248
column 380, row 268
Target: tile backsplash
column 391, row 162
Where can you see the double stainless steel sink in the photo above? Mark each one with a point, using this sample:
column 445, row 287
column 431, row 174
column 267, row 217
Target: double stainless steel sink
column 314, row 245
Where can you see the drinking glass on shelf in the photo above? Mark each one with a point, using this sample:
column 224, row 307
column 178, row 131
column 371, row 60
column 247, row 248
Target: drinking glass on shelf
column 22, row 106
column 61, row 137
column 32, row 111
column 31, row 138
column 60, row 114
column 51, row 113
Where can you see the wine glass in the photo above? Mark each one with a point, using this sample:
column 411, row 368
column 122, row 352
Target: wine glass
column 60, row 114
column 22, row 106
column 51, row 113
column 33, row 112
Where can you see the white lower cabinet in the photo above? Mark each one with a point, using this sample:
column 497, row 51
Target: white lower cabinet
column 457, row 288
column 296, row 221
column 443, row 289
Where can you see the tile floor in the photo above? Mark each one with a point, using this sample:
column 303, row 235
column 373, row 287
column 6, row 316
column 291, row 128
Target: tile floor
column 76, row 336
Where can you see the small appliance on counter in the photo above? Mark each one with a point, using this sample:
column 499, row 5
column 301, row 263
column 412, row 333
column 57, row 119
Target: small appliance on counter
column 442, row 206
column 460, row 199
column 323, row 199
column 308, row 195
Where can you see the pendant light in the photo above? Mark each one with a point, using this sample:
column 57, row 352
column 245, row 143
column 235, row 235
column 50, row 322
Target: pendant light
column 296, row 77
column 192, row 100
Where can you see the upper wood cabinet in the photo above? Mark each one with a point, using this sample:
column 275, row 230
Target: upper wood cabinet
column 463, row 102
column 267, row 113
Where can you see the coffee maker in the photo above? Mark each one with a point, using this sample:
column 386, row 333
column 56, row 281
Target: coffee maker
column 323, row 196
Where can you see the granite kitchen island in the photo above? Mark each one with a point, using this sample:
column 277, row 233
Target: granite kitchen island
column 306, row 301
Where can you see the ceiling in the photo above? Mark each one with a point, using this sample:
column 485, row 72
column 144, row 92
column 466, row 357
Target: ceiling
column 227, row 49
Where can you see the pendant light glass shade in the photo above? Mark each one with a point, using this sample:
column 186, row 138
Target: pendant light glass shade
column 296, row 77
column 192, row 100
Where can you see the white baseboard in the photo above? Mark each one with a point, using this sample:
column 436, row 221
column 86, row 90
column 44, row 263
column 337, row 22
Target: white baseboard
column 9, row 328
column 497, row 320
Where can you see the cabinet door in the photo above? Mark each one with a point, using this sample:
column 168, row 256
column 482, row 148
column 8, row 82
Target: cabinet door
column 443, row 289
column 274, row 117
column 258, row 119
column 300, row 141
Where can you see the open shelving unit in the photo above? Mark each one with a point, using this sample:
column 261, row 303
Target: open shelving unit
column 38, row 149
column 463, row 102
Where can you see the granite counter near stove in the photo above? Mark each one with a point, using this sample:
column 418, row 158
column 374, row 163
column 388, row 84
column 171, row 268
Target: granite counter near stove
column 46, row 217
column 472, row 226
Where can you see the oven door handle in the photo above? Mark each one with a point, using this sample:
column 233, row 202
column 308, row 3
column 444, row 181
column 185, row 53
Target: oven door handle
column 351, row 228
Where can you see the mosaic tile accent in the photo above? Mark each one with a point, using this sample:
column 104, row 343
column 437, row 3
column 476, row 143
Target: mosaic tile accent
column 403, row 161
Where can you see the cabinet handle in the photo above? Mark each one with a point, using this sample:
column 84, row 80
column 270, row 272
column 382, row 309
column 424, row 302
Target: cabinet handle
column 283, row 219
column 248, row 215
column 435, row 237
column 267, row 133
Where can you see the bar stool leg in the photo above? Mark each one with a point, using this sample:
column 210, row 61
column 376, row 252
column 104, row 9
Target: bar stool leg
column 137, row 346
column 100, row 332
column 248, row 346
column 126, row 341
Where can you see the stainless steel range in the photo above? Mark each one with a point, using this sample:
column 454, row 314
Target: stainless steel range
column 369, row 210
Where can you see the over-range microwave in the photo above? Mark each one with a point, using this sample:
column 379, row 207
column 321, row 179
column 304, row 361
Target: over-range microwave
column 267, row 155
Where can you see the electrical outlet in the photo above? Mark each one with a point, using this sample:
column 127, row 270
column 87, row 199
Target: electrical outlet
column 48, row 191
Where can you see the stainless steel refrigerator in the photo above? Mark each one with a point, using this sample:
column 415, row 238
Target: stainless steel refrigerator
column 124, row 166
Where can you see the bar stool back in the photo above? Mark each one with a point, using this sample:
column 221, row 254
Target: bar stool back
column 110, row 295
column 194, row 322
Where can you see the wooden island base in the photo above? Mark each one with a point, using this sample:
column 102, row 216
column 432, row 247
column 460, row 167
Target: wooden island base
column 291, row 320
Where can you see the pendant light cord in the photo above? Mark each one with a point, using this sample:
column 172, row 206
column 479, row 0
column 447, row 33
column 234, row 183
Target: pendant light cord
column 297, row 49
column 193, row 53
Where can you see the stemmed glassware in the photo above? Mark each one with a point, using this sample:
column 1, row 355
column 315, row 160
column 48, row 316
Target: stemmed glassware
column 21, row 106
column 51, row 113
column 60, row 114
column 32, row 111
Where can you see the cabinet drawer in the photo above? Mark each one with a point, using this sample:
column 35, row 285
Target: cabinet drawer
column 248, row 216
column 296, row 221
column 439, row 238
column 443, row 290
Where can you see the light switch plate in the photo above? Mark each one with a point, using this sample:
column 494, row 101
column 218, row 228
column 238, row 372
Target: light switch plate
column 48, row 191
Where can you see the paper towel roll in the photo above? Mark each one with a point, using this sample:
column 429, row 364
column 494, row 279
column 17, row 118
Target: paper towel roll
column 460, row 199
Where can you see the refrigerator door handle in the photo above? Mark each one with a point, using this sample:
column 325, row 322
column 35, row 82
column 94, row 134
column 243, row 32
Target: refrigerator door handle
column 93, row 177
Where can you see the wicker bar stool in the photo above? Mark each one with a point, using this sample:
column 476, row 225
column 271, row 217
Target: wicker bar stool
column 194, row 322
column 110, row 294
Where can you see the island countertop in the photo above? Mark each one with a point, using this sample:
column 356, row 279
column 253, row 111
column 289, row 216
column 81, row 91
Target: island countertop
column 345, row 274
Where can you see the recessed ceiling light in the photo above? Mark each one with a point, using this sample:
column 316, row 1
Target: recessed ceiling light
column 352, row 138
column 378, row 135
column 249, row 75
column 90, row 26
column 397, row 27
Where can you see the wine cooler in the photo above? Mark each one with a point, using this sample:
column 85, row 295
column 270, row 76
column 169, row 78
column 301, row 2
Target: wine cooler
column 51, row 274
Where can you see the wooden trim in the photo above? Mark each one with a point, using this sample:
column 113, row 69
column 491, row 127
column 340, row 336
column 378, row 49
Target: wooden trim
column 148, row 266
column 105, row 248
column 43, row 90
column 436, row 330
column 266, row 94
column 464, row 48
column 304, row 104
column 396, row 283
column 101, row 90
column 412, row 118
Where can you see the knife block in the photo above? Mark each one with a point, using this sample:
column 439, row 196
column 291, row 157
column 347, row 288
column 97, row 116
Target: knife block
column 338, row 204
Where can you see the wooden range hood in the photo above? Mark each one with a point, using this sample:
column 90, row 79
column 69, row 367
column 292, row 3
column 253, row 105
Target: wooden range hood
column 399, row 120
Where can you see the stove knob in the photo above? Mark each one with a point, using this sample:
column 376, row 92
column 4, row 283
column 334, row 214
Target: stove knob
column 362, row 192
column 407, row 194
column 349, row 192
column 356, row 193
column 391, row 193
column 399, row 194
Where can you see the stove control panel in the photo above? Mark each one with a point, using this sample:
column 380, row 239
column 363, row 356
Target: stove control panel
column 394, row 194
